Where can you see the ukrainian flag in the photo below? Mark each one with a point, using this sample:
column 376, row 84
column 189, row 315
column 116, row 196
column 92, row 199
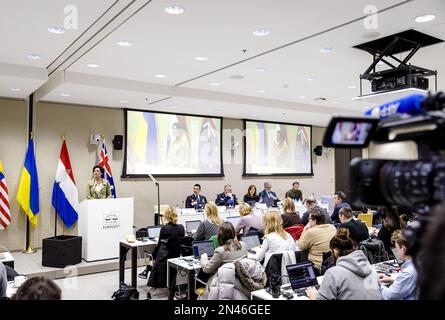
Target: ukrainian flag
column 28, row 192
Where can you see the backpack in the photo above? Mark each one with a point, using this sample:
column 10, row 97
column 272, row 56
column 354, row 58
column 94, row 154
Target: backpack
column 125, row 292
column 374, row 250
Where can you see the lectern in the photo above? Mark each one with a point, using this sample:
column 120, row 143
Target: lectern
column 102, row 224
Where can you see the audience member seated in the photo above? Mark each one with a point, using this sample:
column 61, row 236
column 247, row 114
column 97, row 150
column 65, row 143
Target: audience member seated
column 229, row 250
column 295, row 193
column 339, row 202
column 208, row 227
column 405, row 284
column 3, row 281
column 249, row 219
column 233, row 276
column 251, row 196
column 267, row 193
column 316, row 236
column 358, row 231
column 275, row 238
column 391, row 222
column 196, row 200
column 227, row 198
column 171, row 229
column 38, row 288
column 289, row 216
column 311, row 203
column 352, row 277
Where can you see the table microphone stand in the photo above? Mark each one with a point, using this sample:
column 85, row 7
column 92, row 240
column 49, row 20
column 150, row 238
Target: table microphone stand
column 157, row 222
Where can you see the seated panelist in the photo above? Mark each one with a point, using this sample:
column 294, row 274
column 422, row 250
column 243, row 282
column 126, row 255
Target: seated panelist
column 227, row 198
column 98, row 188
column 267, row 192
column 196, row 200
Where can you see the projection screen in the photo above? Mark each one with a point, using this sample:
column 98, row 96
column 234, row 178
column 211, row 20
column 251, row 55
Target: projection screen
column 273, row 148
column 165, row 144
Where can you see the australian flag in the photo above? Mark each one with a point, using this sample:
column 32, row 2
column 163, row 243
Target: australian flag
column 103, row 162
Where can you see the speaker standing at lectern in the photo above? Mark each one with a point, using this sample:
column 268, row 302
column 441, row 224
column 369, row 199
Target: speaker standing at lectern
column 196, row 200
column 98, row 188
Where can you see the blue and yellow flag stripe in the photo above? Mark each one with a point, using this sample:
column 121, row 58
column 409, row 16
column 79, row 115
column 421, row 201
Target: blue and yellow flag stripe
column 28, row 191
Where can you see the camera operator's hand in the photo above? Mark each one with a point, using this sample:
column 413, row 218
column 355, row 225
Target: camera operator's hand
column 383, row 279
column 311, row 292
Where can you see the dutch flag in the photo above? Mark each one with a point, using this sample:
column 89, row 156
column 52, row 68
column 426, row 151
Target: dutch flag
column 65, row 197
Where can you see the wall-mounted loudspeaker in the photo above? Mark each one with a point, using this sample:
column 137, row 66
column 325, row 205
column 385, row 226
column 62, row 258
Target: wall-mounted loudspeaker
column 318, row 150
column 118, row 142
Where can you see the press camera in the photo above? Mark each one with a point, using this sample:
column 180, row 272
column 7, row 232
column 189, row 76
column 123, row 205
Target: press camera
column 415, row 184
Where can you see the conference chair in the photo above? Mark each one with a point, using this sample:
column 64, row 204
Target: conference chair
column 366, row 218
column 295, row 231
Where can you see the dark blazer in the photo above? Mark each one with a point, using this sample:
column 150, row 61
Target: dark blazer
column 334, row 215
column 263, row 195
column 165, row 249
column 248, row 198
column 192, row 198
column 358, row 231
column 223, row 200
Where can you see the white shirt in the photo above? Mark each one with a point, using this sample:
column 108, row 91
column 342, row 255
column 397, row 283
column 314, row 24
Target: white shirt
column 274, row 243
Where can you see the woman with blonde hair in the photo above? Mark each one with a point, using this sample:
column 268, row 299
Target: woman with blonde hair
column 275, row 238
column 250, row 220
column 208, row 227
column 171, row 229
column 290, row 216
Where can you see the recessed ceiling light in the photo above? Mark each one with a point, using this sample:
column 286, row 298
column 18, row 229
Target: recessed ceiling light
column 253, row 114
column 320, row 99
column 260, row 69
column 92, row 65
column 16, row 89
column 33, row 56
column 201, row 58
column 236, row 77
column 123, row 101
column 262, row 91
column 124, row 43
column 311, row 78
column 215, row 84
column 301, row 97
column 261, row 32
column 174, row 9
column 326, row 50
column 56, row 30
column 425, row 18
column 160, row 76
column 352, row 87
column 65, row 94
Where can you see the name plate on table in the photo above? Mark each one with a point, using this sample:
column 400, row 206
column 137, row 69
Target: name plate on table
column 221, row 208
column 188, row 211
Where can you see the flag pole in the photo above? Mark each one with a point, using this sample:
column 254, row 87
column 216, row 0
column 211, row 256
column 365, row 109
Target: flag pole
column 28, row 248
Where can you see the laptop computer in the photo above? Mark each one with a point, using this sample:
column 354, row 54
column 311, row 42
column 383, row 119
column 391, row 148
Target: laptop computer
column 154, row 232
column 270, row 202
column 251, row 242
column 200, row 247
column 191, row 226
column 301, row 276
column 234, row 220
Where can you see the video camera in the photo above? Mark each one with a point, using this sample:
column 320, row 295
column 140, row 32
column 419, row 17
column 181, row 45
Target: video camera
column 414, row 184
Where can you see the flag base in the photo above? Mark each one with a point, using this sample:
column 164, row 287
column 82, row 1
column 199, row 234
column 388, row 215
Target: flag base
column 29, row 250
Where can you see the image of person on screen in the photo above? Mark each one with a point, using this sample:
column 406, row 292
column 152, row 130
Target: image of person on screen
column 178, row 154
column 347, row 132
column 281, row 148
column 209, row 151
column 302, row 151
column 196, row 200
column 227, row 198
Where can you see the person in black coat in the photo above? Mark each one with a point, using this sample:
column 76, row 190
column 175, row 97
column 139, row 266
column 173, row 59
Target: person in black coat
column 196, row 200
column 358, row 231
column 163, row 250
column 251, row 197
